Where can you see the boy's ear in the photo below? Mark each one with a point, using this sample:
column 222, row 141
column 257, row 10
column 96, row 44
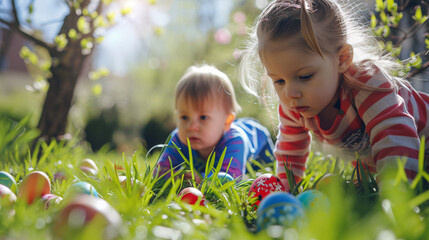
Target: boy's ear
column 345, row 56
column 229, row 120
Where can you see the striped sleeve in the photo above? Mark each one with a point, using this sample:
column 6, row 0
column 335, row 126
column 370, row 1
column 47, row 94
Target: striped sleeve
column 392, row 129
column 292, row 146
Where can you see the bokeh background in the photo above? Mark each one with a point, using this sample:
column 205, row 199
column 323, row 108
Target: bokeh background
column 145, row 54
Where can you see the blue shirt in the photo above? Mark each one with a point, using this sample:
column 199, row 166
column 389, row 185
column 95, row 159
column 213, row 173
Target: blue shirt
column 246, row 139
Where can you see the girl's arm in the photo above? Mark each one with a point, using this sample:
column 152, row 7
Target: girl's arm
column 389, row 121
column 292, row 146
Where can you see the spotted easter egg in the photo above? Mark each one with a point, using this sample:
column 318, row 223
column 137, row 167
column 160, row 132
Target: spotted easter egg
column 7, row 197
column 313, row 200
column 264, row 185
column 7, row 180
column 34, row 186
column 279, row 208
column 84, row 214
column 83, row 188
column 192, row 196
column 50, row 199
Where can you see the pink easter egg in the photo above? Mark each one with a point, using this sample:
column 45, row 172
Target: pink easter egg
column 34, row 186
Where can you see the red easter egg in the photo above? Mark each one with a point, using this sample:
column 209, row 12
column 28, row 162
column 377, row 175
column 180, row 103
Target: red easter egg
column 264, row 185
column 191, row 195
column 89, row 163
column 6, row 195
column 85, row 211
column 34, row 186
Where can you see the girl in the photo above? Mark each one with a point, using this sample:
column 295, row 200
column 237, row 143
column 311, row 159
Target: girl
column 331, row 81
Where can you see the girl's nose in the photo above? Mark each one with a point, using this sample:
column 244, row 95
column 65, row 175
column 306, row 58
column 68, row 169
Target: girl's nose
column 293, row 92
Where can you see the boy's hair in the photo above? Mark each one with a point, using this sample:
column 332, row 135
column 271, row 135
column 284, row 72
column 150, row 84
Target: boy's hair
column 283, row 19
column 204, row 82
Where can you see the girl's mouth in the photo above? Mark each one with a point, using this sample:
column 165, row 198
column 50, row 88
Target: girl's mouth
column 300, row 109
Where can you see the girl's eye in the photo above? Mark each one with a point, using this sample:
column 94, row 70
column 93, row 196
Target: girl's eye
column 203, row 117
column 184, row 117
column 305, row 77
column 279, row 82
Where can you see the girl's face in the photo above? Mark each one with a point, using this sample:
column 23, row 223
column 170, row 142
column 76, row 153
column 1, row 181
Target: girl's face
column 204, row 127
column 304, row 81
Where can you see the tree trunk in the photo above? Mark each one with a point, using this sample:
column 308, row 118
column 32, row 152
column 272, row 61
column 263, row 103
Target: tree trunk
column 66, row 68
column 53, row 120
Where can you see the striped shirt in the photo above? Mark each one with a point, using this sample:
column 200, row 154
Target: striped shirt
column 379, row 126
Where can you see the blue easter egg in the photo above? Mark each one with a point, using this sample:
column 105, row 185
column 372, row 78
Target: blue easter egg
column 84, row 188
column 6, row 179
column 314, row 200
column 224, row 177
column 279, row 208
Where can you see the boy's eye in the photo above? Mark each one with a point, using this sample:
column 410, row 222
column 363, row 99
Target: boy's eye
column 184, row 117
column 203, row 117
column 305, row 77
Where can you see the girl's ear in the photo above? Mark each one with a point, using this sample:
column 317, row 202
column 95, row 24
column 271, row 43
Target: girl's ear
column 345, row 55
column 229, row 120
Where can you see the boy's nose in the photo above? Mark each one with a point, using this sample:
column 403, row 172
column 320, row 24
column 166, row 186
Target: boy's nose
column 193, row 125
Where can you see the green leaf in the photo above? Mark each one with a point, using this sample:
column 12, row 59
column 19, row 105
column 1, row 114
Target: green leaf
column 125, row 11
column 418, row 14
column 97, row 89
column 61, row 41
column 427, row 43
column 373, row 21
column 83, row 26
column 379, row 5
column 383, row 17
column 72, row 34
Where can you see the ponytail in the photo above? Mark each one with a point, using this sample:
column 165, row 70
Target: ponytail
column 307, row 29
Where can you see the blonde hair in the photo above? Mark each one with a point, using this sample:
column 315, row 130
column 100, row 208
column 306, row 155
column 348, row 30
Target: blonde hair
column 204, row 82
column 283, row 19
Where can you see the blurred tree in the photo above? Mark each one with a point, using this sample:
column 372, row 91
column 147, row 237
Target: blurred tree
column 60, row 61
column 398, row 21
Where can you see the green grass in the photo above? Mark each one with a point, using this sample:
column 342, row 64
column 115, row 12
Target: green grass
column 150, row 209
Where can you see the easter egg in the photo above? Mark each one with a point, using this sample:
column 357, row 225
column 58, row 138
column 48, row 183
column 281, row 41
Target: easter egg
column 222, row 178
column 89, row 163
column 33, row 186
column 85, row 214
column 59, row 176
column 192, row 195
column 264, row 185
column 88, row 171
column 279, row 208
column 83, row 188
column 327, row 180
column 314, row 200
column 7, row 180
column 7, row 196
column 50, row 199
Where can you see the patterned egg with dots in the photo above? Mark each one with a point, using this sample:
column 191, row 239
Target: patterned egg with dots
column 264, row 185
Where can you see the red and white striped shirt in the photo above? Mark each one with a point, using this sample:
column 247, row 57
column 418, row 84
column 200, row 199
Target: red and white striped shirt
column 379, row 125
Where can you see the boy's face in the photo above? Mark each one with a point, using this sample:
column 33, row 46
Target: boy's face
column 304, row 81
column 204, row 127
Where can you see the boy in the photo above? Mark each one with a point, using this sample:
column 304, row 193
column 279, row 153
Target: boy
column 205, row 108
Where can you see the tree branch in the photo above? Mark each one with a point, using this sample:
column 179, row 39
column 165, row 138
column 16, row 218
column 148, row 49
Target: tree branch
column 15, row 27
column 423, row 67
column 15, row 13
